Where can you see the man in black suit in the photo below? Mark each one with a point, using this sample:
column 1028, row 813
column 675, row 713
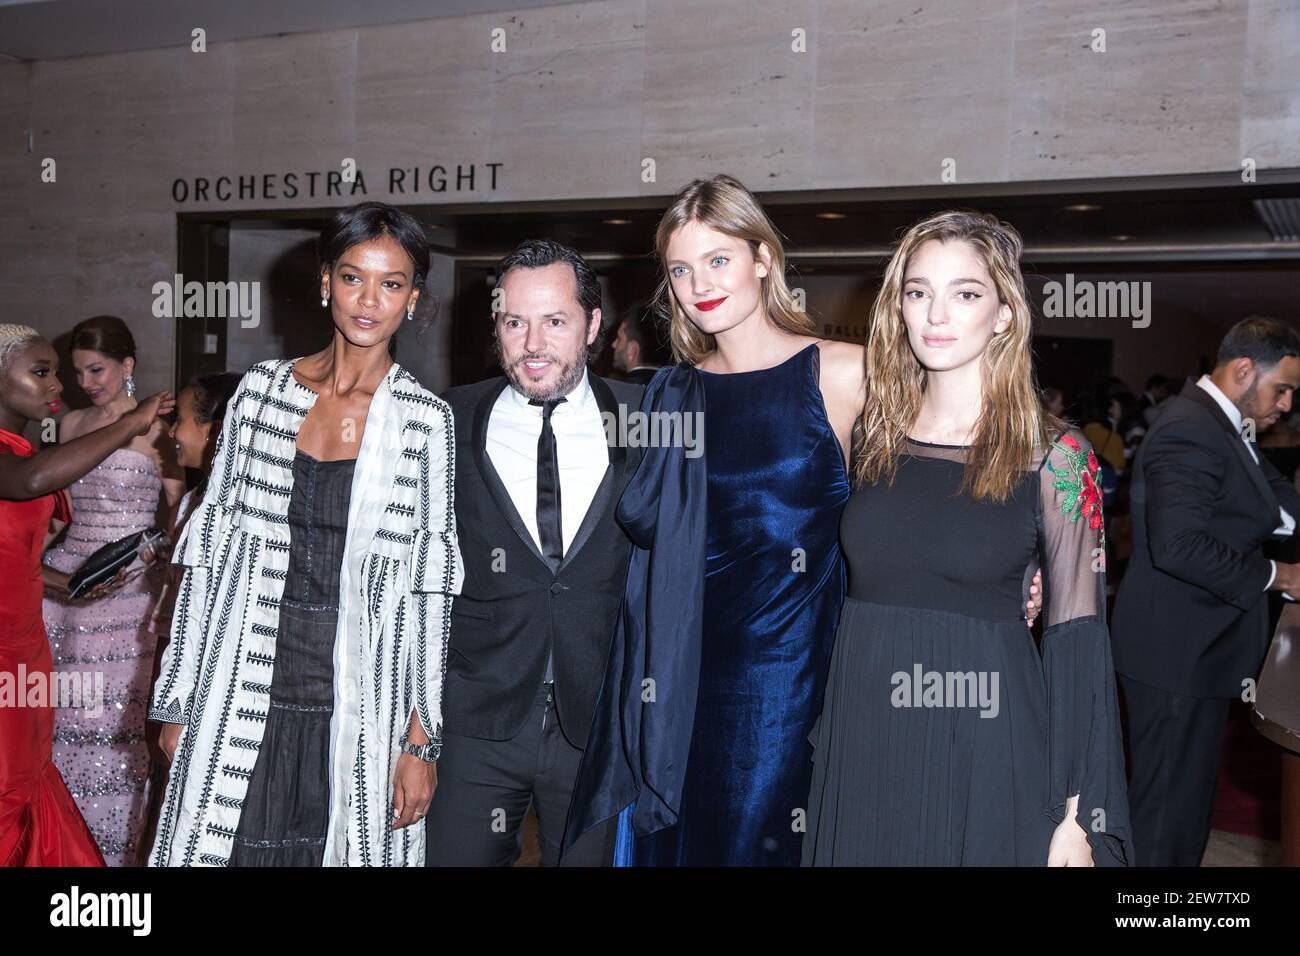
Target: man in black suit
column 538, row 475
column 636, row 350
column 1190, row 626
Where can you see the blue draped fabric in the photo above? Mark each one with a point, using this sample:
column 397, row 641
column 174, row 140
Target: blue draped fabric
column 641, row 733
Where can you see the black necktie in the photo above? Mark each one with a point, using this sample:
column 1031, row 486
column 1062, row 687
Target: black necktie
column 548, row 486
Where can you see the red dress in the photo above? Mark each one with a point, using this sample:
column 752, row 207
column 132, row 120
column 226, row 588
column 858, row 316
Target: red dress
column 39, row 821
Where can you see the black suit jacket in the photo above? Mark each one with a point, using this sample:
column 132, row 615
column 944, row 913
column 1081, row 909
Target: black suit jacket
column 1191, row 616
column 514, row 607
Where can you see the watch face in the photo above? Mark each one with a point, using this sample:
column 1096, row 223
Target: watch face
column 424, row 751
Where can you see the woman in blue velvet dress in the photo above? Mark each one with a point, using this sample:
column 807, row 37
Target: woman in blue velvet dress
column 736, row 681
column 772, row 593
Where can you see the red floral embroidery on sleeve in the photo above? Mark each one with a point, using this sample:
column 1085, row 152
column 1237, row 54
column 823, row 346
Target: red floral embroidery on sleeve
column 1078, row 483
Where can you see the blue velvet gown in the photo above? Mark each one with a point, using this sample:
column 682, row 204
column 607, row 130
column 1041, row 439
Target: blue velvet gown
column 774, row 587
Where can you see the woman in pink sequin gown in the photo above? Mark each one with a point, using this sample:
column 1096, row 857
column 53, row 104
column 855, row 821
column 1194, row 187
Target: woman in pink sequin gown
column 102, row 753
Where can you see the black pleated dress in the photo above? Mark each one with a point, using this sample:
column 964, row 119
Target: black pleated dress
column 286, row 811
column 948, row 738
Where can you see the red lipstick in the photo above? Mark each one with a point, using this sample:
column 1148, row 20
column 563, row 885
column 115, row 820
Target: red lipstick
column 708, row 305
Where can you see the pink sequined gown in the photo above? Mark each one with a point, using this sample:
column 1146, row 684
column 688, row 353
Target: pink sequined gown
column 103, row 757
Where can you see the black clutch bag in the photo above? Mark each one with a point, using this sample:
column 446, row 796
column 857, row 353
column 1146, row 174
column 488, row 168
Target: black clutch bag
column 104, row 564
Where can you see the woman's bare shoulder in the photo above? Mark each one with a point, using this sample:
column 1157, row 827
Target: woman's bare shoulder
column 842, row 363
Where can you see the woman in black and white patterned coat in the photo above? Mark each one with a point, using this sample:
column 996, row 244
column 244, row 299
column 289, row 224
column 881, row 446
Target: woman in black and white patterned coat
column 302, row 687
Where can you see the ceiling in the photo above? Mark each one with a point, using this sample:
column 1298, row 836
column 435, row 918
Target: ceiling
column 50, row 29
column 1213, row 258
column 1152, row 225
column 1216, row 253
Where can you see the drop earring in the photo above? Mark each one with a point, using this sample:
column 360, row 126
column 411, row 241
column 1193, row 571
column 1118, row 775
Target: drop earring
column 410, row 314
column 324, row 301
column 130, row 386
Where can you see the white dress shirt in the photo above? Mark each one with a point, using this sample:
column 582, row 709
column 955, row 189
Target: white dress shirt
column 581, row 452
column 1287, row 525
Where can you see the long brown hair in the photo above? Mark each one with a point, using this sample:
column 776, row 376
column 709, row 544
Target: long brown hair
column 724, row 204
column 1012, row 425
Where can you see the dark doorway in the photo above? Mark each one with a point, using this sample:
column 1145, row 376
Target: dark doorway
column 1072, row 365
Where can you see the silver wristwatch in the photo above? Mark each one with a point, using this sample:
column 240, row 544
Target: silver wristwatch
column 426, row 752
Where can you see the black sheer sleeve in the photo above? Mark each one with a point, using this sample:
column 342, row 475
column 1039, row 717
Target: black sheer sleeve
column 1085, row 749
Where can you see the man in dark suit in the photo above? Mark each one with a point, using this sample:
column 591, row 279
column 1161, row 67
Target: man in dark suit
column 1190, row 628
column 538, row 475
column 637, row 352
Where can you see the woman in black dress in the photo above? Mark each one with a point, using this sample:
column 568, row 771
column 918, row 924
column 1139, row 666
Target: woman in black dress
column 947, row 737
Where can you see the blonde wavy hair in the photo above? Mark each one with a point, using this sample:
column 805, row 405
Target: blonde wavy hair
column 1012, row 425
column 724, row 204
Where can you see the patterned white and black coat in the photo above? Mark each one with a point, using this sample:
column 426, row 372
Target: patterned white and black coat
column 400, row 570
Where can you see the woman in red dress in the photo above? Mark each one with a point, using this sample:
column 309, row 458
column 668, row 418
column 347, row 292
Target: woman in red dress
column 39, row 822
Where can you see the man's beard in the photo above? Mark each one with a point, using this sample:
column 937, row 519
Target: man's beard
column 1246, row 404
column 570, row 372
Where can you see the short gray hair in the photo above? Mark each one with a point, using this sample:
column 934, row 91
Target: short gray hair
column 14, row 339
